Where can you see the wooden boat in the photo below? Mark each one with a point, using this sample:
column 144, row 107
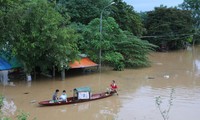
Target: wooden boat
column 76, row 99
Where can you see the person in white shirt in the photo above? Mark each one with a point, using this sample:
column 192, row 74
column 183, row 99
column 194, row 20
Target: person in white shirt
column 63, row 97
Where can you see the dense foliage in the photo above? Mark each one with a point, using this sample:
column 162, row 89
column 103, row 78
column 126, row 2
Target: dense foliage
column 127, row 18
column 119, row 48
column 53, row 32
column 194, row 7
column 35, row 34
column 169, row 27
column 83, row 11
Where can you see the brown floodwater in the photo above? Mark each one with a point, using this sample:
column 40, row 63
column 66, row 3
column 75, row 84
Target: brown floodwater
column 138, row 89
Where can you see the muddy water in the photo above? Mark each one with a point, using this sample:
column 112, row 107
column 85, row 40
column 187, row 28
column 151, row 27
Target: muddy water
column 138, row 90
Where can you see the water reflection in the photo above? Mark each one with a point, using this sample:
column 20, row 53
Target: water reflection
column 29, row 83
column 4, row 77
column 197, row 66
column 83, row 107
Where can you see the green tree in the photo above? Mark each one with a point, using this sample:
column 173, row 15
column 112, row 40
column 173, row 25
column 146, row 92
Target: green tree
column 127, row 18
column 109, row 55
column 143, row 16
column 5, row 6
column 37, row 36
column 119, row 48
column 83, row 11
column 194, row 7
column 169, row 27
column 134, row 50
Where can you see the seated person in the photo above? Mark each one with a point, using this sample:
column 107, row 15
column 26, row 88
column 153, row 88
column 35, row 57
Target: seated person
column 113, row 86
column 55, row 96
column 63, row 97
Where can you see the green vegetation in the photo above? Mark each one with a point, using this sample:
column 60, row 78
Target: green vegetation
column 169, row 27
column 37, row 35
column 48, row 33
column 127, row 18
column 43, row 39
column 22, row 116
column 1, row 101
column 82, row 11
column 194, row 7
column 53, row 32
column 119, row 48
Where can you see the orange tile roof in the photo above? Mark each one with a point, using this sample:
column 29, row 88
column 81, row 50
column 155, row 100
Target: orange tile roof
column 83, row 63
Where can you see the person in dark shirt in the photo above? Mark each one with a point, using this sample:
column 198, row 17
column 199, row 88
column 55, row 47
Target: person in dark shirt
column 55, row 96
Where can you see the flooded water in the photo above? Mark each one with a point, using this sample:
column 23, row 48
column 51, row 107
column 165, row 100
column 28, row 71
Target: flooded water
column 138, row 89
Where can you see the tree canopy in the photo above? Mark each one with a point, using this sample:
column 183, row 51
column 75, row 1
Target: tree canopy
column 170, row 27
column 83, row 11
column 119, row 48
column 35, row 35
column 194, row 7
column 53, row 32
column 127, row 18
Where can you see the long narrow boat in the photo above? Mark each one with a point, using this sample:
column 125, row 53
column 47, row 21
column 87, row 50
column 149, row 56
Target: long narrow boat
column 74, row 100
column 81, row 94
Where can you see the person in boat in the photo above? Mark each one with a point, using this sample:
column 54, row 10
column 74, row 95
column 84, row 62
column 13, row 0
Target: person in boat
column 63, row 96
column 113, row 87
column 55, row 96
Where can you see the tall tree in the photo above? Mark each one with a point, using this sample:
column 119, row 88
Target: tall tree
column 83, row 11
column 127, row 18
column 5, row 7
column 119, row 48
column 194, row 7
column 37, row 37
column 169, row 27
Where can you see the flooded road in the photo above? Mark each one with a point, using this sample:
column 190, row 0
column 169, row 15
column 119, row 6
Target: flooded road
column 138, row 89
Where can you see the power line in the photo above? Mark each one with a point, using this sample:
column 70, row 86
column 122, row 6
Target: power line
column 165, row 36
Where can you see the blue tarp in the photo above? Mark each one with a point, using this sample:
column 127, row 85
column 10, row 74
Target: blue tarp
column 13, row 61
column 4, row 65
